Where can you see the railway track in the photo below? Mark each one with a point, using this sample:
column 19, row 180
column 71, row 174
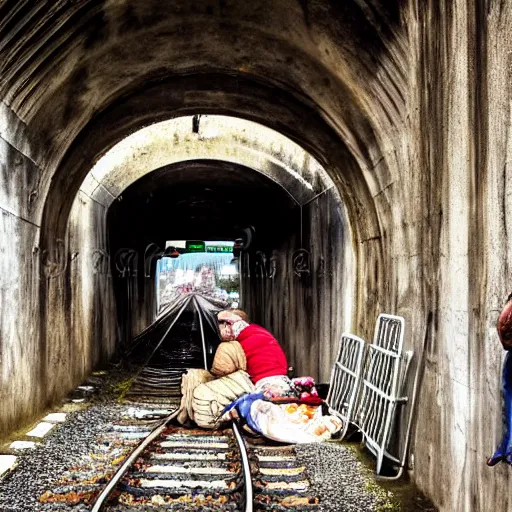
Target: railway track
column 179, row 469
column 183, row 469
column 145, row 461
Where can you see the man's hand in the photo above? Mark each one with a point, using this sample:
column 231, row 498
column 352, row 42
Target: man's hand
column 226, row 319
column 230, row 325
column 232, row 414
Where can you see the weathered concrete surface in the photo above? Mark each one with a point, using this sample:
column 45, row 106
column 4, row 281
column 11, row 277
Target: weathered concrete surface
column 307, row 312
column 93, row 308
column 79, row 330
column 462, row 158
column 43, row 354
column 20, row 391
column 406, row 104
column 218, row 138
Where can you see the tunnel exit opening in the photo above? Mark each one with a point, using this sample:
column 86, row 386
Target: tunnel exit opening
column 206, row 267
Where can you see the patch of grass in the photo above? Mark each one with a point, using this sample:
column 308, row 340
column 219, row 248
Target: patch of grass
column 385, row 499
column 393, row 496
column 120, row 389
column 392, row 507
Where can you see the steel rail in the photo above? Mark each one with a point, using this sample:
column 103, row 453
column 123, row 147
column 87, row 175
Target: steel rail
column 145, row 363
column 156, row 326
column 203, row 341
column 246, row 468
column 107, row 491
column 244, row 459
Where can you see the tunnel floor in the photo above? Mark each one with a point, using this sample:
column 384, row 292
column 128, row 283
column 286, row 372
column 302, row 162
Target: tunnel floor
column 65, row 460
column 43, row 477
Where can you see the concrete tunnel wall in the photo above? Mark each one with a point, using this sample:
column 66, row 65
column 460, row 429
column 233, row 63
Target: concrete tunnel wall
column 306, row 311
column 42, row 361
column 412, row 97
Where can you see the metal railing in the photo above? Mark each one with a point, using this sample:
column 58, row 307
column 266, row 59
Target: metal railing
column 367, row 382
column 383, row 378
column 346, row 379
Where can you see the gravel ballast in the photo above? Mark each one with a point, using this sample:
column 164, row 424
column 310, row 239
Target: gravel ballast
column 337, row 477
column 340, row 480
column 36, row 470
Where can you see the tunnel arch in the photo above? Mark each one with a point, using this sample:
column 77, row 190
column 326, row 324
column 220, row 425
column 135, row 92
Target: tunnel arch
column 404, row 103
column 171, row 148
column 93, row 47
column 220, row 138
column 236, row 97
column 175, row 182
column 216, row 95
column 342, row 96
column 330, row 76
column 194, row 199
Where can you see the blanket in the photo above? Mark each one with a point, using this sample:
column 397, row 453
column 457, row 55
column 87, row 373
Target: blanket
column 300, row 421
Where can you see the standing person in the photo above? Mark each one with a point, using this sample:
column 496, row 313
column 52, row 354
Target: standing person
column 266, row 362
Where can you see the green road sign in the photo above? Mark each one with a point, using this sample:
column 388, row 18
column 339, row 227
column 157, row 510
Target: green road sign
column 219, row 248
column 195, row 246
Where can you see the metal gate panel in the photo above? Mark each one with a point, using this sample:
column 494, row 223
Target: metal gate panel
column 382, row 382
column 346, row 379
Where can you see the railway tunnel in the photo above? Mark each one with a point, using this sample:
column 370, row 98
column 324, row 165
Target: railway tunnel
column 264, row 181
column 395, row 114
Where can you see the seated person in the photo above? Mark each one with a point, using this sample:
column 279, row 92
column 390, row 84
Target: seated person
column 266, row 362
column 266, row 410
column 248, row 355
column 205, row 393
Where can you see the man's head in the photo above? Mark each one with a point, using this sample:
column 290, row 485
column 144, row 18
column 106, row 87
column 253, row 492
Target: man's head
column 226, row 319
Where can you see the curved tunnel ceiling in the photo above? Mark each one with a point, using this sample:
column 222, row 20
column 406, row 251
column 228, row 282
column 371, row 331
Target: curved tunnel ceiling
column 63, row 62
column 201, row 199
column 220, row 138
column 78, row 77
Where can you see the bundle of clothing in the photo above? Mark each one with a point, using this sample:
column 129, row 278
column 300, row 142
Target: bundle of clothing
column 285, row 410
column 205, row 394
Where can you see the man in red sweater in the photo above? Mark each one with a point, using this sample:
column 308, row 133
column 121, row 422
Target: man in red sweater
column 265, row 357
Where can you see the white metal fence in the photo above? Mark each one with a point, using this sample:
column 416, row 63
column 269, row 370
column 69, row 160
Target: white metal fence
column 346, row 379
column 367, row 393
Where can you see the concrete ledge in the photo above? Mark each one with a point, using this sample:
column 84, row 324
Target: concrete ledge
column 41, row 429
column 6, row 463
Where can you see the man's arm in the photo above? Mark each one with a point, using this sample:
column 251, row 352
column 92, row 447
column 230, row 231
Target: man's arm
column 229, row 358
